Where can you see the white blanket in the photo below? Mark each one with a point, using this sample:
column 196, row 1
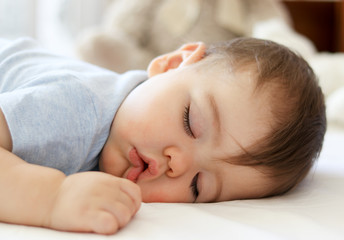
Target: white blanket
column 313, row 210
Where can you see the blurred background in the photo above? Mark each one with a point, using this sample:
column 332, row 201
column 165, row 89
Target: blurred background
column 54, row 23
column 57, row 24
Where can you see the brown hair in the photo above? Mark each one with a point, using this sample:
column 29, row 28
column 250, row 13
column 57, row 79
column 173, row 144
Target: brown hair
column 295, row 140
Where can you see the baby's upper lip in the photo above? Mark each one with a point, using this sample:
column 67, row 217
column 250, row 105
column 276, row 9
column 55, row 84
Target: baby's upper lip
column 141, row 165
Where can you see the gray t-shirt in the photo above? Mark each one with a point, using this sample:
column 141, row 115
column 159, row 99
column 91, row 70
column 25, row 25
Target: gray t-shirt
column 59, row 110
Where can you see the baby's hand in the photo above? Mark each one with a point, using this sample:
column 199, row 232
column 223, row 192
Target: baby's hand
column 94, row 202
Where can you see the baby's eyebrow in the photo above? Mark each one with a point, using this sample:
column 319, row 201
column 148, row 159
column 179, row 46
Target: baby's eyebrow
column 216, row 116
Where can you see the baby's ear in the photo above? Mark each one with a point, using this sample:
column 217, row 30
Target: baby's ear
column 185, row 55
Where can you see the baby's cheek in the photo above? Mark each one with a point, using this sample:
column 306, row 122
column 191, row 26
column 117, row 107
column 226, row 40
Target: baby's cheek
column 169, row 195
column 154, row 197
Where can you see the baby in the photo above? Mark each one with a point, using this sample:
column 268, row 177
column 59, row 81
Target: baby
column 237, row 120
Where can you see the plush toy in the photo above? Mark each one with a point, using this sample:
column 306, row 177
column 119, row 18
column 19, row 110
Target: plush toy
column 135, row 31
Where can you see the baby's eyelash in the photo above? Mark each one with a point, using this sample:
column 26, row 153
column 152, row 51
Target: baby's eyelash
column 186, row 122
column 194, row 187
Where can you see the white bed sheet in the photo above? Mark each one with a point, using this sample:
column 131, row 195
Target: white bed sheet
column 314, row 210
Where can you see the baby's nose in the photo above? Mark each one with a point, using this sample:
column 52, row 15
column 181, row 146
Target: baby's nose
column 178, row 161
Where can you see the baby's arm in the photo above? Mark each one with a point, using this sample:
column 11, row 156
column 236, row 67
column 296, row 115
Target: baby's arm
column 40, row 196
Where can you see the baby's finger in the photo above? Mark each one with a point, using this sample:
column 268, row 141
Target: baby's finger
column 133, row 191
column 105, row 223
column 121, row 211
column 127, row 201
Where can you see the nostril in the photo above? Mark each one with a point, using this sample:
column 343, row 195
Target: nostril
column 170, row 173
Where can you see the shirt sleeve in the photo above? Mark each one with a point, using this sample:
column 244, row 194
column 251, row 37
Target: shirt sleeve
column 52, row 125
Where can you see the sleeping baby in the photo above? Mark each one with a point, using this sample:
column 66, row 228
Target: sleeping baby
column 81, row 147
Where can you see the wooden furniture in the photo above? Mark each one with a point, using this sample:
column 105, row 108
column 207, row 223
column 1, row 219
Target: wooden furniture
column 320, row 21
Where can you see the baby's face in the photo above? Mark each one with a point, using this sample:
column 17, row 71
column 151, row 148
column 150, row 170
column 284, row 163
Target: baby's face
column 173, row 131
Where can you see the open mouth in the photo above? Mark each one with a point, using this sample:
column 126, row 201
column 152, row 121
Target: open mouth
column 145, row 166
column 140, row 165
